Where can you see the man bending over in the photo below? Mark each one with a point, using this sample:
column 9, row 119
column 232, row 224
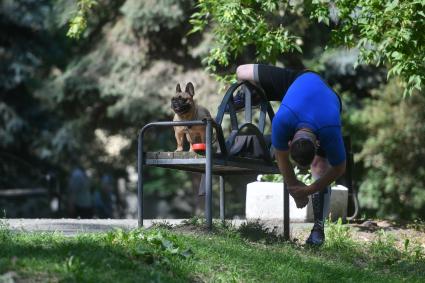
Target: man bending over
column 307, row 130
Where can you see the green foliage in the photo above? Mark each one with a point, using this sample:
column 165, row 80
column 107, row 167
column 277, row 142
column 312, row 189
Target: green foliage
column 153, row 16
column 222, row 228
column 194, row 221
column 107, row 257
column 338, row 236
column 5, row 232
column 392, row 154
column 386, row 32
column 165, row 225
column 152, row 246
column 57, row 95
column 237, row 25
column 306, row 178
column 274, row 178
column 73, row 268
column 78, row 24
column 158, row 255
column 11, row 125
column 413, row 252
column 384, row 249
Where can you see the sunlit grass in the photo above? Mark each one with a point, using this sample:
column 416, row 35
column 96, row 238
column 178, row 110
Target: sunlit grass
column 188, row 253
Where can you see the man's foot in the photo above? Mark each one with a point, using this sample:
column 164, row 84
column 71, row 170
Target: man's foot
column 317, row 236
column 239, row 101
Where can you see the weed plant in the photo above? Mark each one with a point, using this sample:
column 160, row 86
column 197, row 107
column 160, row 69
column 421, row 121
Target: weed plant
column 4, row 230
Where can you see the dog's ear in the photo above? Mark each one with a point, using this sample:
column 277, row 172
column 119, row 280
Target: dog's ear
column 178, row 89
column 190, row 89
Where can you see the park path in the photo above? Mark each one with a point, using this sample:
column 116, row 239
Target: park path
column 70, row 227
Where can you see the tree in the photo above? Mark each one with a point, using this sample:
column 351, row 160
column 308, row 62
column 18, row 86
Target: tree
column 390, row 134
column 64, row 99
column 387, row 33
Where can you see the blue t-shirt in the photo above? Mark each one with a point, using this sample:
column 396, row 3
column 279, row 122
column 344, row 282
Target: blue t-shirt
column 310, row 103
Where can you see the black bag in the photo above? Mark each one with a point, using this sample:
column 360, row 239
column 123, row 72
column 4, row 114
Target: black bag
column 249, row 146
column 244, row 146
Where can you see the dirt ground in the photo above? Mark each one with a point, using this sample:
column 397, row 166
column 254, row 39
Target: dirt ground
column 369, row 230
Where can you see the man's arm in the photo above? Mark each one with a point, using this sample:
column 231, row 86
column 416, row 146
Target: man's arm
column 285, row 167
column 330, row 176
column 332, row 142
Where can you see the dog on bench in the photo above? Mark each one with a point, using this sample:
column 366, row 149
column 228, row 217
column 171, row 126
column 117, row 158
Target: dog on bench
column 186, row 109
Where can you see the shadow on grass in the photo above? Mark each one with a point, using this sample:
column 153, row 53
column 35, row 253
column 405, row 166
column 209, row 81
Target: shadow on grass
column 90, row 258
column 259, row 232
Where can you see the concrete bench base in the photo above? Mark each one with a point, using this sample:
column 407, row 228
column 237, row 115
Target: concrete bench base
column 264, row 201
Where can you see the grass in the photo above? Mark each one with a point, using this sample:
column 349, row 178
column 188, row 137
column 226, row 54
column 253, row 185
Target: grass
column 188, row 253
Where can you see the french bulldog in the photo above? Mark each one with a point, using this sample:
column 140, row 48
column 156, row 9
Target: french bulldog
column 186, row 109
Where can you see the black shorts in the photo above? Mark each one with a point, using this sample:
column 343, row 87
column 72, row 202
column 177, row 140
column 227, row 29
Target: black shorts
column 275, row 81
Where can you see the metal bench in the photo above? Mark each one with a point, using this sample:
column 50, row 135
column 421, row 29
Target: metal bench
column 219, row 163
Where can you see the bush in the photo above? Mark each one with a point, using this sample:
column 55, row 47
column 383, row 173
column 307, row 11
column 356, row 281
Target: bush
column 390, row 133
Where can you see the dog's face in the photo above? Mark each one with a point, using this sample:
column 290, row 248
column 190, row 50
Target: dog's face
column 182, row 102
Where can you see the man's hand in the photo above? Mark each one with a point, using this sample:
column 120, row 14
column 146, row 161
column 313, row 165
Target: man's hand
column 295, row 186
column 299, row 192
column 301, row 202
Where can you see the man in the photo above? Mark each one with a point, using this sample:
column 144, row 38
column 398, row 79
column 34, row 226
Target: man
column 103, row 198
column 306, row 129
column 79, row 195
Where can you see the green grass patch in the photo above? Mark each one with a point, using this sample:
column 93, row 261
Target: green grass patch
column 188, row 253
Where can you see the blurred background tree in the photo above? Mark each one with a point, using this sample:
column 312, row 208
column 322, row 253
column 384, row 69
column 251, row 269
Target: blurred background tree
column 66, row 102
column 64, row 99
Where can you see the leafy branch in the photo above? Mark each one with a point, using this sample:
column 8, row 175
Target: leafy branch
column 238, row 25
column 78, row 24
column 386, row 33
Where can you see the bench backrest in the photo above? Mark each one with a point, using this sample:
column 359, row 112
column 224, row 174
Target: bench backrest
column 247, row 127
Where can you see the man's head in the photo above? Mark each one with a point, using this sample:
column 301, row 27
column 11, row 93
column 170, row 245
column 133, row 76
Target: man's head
column 303, row 147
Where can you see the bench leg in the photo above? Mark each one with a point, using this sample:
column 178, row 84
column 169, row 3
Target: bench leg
column 222, row 207
column 208, row 175
column 285, row 212
column 140, row 180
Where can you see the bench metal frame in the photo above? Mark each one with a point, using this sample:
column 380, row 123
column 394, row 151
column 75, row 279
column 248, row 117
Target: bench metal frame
column 221, row 164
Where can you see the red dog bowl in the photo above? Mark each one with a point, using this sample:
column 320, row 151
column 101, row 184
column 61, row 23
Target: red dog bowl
column 199, row 148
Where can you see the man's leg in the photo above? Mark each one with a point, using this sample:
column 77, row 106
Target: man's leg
column 320, row 202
